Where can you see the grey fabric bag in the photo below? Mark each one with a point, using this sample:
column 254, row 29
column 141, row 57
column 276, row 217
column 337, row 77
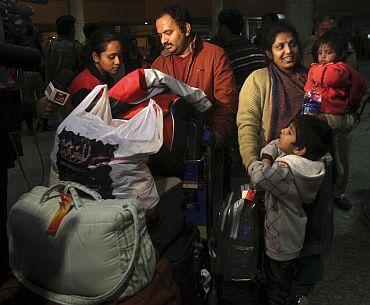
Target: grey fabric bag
column 99, row 252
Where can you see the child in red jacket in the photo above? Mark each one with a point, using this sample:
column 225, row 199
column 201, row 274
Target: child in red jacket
column 341, row 89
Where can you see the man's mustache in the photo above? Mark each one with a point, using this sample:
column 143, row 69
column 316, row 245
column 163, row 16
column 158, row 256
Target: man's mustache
column 167, row 44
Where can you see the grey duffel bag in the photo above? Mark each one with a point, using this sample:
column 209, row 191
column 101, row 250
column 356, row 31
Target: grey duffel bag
column 79, row 250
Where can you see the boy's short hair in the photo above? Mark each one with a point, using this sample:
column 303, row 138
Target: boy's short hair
column 314, row 134
column 335, row 40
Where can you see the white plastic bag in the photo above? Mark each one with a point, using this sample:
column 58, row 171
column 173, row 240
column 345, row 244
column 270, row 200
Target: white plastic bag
column 109, row 155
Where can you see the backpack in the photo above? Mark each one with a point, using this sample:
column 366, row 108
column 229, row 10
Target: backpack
column 234, row 244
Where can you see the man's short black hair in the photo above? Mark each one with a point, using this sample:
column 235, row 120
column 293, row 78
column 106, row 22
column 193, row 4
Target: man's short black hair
column 322, row 18
column 178, row 13
column 65, row 25
column 336, row 40
column 89, row 28
column 232, row 19
column 314, row 134
column 271, row 17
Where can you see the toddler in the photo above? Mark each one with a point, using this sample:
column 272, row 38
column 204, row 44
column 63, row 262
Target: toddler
column 341, row 89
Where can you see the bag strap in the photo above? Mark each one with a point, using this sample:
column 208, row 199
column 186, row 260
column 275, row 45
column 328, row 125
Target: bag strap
column 69, row 186
column 135, row 252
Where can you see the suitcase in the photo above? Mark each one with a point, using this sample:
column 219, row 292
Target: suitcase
column 167, row 220
column 184, row 255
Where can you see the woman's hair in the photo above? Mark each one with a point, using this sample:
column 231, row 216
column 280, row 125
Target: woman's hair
column 314, row 134
column 335, row 40
column 100, row 39
column 274, row 29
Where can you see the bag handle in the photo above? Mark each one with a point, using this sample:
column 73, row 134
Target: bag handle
column 89, row 98
column 82, row 106
column 69, row 186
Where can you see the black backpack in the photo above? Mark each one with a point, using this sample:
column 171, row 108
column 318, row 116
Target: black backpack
column 235, row 240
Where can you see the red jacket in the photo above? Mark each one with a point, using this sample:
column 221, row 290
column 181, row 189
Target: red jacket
column 208, row 69
column 84, row 83
column 342, row 86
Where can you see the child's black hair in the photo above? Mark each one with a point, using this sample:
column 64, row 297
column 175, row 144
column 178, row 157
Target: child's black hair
column 336, row 40
column 314, row 134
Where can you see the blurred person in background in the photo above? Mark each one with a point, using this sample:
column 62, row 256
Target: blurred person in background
column 88, row 30
column 62, row 53
column 321, row 25
column 132, row 56
column 245, row 57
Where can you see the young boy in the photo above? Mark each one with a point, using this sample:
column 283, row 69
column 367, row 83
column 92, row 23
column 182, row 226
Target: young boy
column 341, row 90
column 291, row 174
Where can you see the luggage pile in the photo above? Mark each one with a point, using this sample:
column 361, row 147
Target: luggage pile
column 85, row 239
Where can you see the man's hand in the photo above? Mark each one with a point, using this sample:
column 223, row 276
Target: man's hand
column 45, row 109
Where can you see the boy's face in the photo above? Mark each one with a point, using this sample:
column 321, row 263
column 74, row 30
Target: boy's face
column 326, row 54
column 286, row 142
column 287, row 139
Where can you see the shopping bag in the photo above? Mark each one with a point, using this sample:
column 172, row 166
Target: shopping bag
column 109, row 155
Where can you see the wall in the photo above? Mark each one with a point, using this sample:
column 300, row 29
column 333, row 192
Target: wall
column 46, row 14
column 136, row 11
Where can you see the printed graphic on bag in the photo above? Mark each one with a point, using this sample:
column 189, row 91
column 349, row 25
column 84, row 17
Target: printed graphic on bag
column 86, row 161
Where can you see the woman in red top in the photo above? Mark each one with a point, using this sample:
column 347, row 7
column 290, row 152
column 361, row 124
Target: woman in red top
column 341, row 89
column 105, row 61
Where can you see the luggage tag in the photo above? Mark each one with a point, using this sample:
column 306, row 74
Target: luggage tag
column 65, row 205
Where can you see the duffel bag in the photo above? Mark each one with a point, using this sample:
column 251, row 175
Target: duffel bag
column 162, row 290
column 74, row 250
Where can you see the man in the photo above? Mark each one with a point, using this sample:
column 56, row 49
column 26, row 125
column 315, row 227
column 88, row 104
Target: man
column 244, row 57
column 198, row 64
column 322, row 24
column 63, row 53
column 267, row 19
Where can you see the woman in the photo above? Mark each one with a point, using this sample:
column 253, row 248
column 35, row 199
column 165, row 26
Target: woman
column 105, row 61
column 271, row 97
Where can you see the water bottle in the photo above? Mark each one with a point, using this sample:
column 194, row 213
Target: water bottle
column 312, row 101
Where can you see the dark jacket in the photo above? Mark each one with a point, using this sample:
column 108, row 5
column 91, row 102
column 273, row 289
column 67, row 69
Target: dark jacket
column 320, row 217
column 244, row 57
column 62, row 53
